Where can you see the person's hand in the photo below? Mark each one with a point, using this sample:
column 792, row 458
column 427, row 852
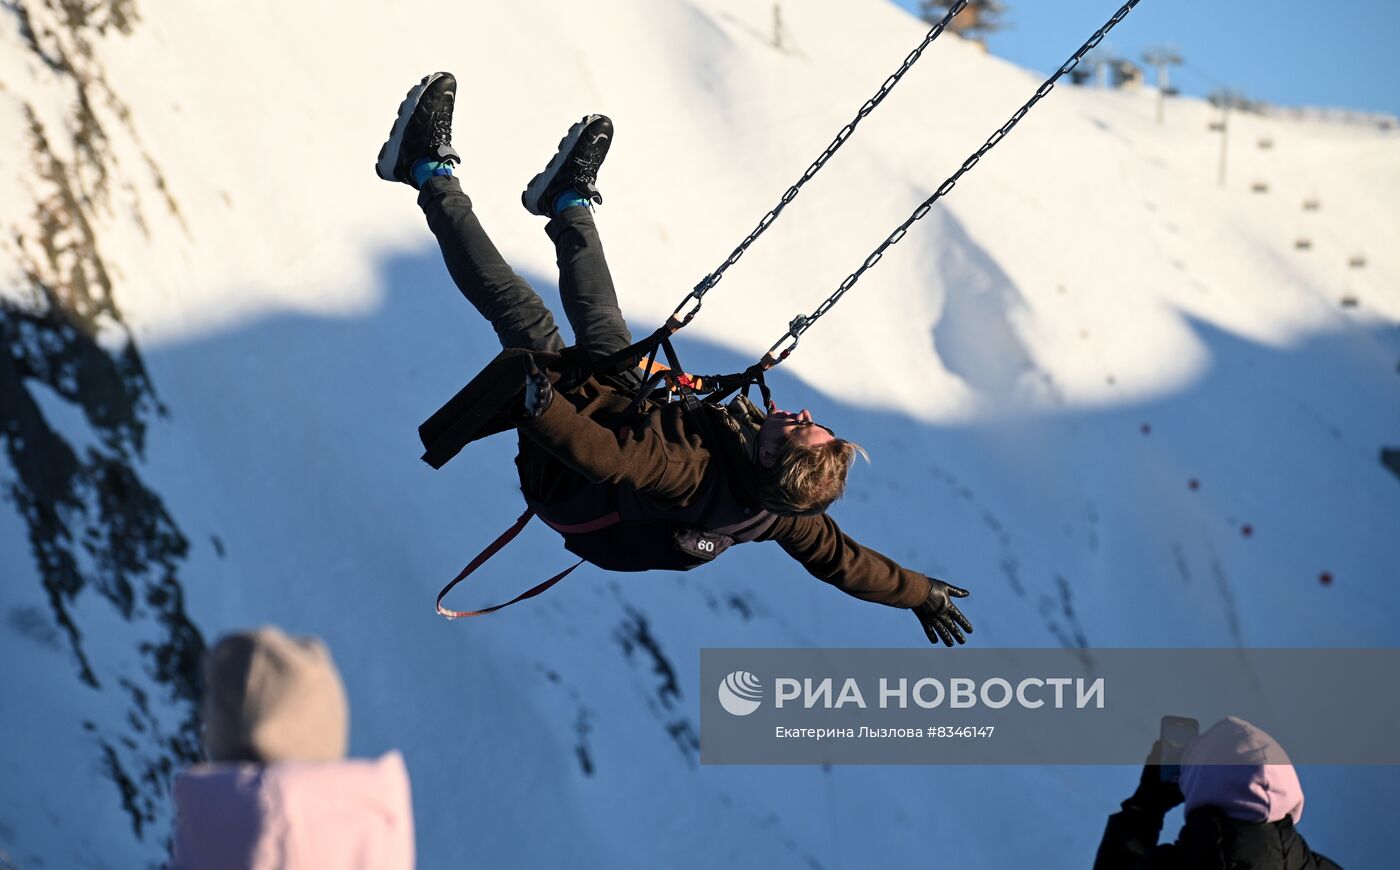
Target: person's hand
column 538, row 391
column 942, row 620
column 1153, row 795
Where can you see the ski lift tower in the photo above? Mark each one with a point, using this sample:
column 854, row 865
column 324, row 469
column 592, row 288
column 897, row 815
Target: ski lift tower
column 1163, row 57
column 1225, row 99
column 1097, row 65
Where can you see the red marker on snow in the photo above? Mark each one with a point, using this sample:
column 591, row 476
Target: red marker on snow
column 1325, row 578
column 1246, row 530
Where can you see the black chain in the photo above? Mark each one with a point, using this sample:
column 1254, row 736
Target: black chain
column 709, row 281
column 803, row 322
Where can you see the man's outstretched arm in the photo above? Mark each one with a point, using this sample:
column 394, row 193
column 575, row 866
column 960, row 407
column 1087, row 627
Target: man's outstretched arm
column 831, row 555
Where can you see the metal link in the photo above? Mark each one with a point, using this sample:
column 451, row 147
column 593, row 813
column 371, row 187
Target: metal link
column 801, row 324
column 683, row 319
column 772, row 358
column 714, row 277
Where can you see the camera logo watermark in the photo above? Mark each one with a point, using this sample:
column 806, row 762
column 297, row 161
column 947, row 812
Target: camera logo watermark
column 740, row 693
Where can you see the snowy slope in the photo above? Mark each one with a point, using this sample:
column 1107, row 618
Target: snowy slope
column 1085, row 326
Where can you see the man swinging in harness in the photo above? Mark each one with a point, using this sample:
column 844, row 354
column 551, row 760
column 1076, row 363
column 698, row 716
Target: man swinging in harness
column 669, row 485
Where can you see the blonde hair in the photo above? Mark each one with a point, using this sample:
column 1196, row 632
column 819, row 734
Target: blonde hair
column 805, row 481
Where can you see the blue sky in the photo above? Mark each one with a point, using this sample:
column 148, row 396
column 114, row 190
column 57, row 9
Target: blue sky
column 1343, row 53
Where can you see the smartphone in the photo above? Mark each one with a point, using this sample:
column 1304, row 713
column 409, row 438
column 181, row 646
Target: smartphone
column 1177, row 731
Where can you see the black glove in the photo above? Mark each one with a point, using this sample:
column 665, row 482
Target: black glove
column 940, row 617
column 1153, row 795
column 538, row 391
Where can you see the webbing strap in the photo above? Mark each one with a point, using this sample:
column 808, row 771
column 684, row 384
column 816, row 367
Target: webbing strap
column 495, row 547
column 602, row 522
column 628, row 356
column 723, row 386
column 644, row 353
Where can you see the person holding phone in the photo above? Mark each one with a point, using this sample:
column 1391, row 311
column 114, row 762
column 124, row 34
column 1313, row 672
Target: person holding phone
column 1239, row 815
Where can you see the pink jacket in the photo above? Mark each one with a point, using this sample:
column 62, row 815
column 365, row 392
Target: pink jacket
column 295, row 815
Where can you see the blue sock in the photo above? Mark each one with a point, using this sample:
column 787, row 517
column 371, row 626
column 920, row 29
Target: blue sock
column 422, row 170
column 568, row 198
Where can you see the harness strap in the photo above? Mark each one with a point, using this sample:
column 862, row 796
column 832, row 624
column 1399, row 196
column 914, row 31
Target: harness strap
column 659, row 341
column 629, row 356
column 584, row 528
column 721, row 387
column 644, row 353
column 505, row 538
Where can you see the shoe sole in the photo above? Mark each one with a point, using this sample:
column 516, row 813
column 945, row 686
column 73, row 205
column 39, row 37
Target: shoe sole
column 389, row 151
column 540, row 183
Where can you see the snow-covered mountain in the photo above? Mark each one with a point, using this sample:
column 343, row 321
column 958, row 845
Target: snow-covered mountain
column 1124, row 404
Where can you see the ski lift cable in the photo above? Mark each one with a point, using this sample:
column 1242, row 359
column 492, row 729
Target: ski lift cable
column 1196, row 69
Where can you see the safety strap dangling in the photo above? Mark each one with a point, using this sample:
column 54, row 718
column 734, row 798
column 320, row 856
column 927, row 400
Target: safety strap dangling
column 495, row 547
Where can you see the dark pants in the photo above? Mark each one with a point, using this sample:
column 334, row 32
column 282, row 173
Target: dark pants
column 514, row 309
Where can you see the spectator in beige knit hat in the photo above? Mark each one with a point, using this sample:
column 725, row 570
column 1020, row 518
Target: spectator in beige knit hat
column 278, row 792
column 272, row 697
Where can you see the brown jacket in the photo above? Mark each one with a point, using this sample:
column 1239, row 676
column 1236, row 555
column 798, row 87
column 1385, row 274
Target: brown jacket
column 582, row 441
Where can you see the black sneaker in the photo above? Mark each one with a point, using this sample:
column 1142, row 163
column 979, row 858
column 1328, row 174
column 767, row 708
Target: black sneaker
column 423, row 129
column 575, row 166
